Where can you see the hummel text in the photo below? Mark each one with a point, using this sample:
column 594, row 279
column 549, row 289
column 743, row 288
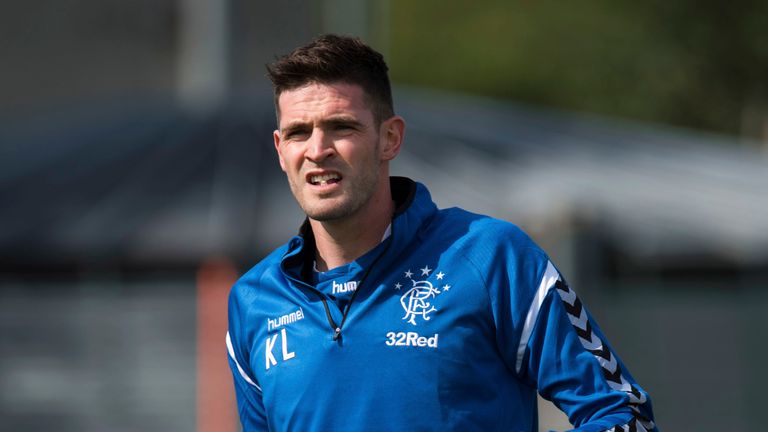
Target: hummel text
column 339, row 288
column 274, row 323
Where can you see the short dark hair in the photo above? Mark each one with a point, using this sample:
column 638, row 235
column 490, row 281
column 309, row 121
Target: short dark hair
column 330, row 59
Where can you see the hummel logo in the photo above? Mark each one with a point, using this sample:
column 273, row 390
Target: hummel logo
column 340, row 288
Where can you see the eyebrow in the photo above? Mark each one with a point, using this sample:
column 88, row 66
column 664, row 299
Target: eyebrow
column 329, row 122
column 341, row 121
column 294, row 127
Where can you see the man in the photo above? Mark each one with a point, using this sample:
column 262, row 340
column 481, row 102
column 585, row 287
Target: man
column 386, row 313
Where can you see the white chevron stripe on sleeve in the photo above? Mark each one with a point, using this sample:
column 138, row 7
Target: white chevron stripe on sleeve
column 639, row 427
column 641, row 400
column 580, row 321
column 547, row 282
column 610, row 365
column 568, row 296
column 623, row 386
column 593, row 345
column 245, row 376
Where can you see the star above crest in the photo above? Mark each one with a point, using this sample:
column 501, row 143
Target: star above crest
column 423, row 274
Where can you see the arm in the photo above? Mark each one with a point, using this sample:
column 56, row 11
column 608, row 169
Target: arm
column 250, row 405
column 545, row 335
column 564, row 353
column 250, row 397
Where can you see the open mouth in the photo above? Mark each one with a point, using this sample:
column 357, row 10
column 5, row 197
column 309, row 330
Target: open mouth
column 324, row 179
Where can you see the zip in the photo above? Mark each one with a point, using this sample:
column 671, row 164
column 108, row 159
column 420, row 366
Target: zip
column 337, row 330
column 334, row 327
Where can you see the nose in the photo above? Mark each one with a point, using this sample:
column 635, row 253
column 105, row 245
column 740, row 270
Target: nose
column 319, row 146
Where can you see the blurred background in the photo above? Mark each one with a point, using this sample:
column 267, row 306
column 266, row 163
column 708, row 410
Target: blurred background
column 138, row 180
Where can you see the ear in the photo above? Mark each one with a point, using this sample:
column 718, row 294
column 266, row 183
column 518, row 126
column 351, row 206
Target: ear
column 391, row 134
column 276, row 137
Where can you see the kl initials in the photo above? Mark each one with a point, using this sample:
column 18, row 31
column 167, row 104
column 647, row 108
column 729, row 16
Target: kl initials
column 270, row 356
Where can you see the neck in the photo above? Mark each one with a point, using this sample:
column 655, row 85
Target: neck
column 340, row 242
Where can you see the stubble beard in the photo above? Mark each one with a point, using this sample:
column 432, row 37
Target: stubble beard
column 357, row 193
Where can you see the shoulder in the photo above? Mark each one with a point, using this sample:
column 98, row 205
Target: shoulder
column 249, row 286
column 507, row 261
column 500, row 251
column 479, row 235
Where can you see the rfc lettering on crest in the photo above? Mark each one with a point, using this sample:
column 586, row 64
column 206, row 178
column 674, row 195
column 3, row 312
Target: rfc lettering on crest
column 418, row 301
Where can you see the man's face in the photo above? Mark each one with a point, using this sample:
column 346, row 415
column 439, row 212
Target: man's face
column 331, row 150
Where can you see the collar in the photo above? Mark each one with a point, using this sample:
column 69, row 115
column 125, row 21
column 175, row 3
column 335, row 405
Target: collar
column 413, row 210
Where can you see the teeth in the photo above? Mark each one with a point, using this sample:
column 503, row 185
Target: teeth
column 323, row 179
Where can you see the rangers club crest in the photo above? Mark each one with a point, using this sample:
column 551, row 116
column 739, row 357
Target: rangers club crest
column 418, row 300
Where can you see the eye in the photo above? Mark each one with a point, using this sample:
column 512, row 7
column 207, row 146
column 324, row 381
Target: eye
column 296, row 134
column 343, row 128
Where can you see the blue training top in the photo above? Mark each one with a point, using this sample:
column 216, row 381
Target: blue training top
column 452, row 323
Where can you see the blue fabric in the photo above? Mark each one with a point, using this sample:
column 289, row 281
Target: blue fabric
column 431, row 340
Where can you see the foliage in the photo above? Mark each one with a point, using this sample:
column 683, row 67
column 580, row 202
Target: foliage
column 694, row 64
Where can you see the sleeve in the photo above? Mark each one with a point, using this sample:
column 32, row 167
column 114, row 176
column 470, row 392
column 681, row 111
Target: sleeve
column 563, row 352
column 250, row 403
